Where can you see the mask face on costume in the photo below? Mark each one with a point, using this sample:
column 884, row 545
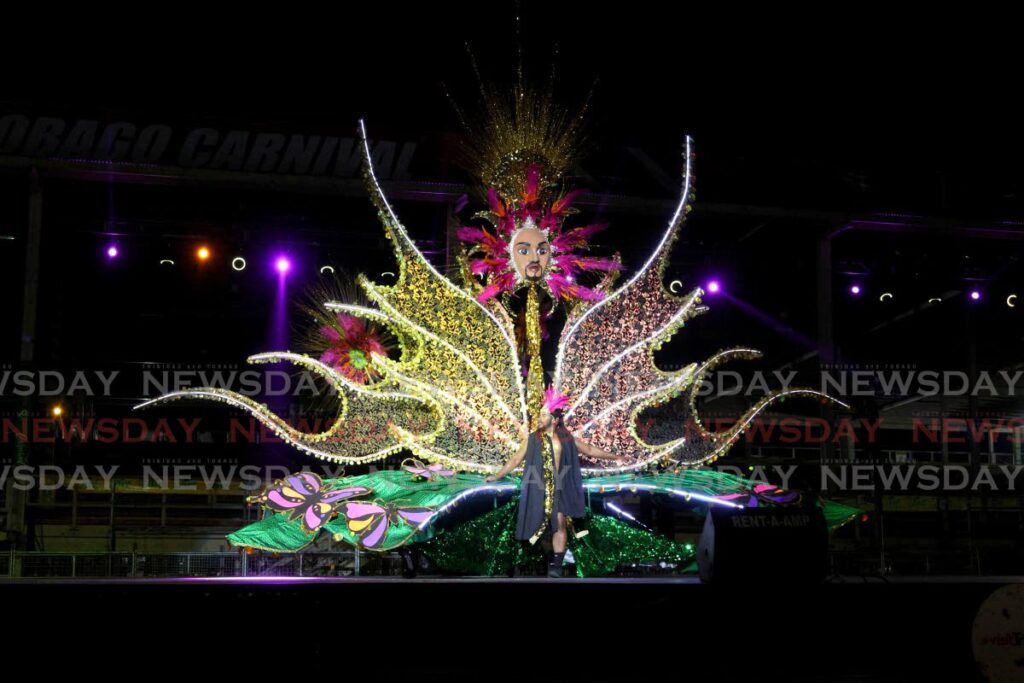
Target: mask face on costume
column 531, row 254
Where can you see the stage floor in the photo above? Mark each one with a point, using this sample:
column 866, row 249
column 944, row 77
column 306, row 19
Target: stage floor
column 847, row 629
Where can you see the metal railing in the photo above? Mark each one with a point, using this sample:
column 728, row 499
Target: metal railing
column 907, row 563
column 19, row 564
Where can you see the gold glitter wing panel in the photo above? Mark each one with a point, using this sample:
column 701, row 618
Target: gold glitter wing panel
column 605, row 364
column 372, row 421
column 468, row 365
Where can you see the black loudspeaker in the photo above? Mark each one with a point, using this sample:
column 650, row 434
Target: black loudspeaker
column 787, row 544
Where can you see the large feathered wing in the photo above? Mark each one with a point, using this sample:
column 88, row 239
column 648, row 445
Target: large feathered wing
column 361, row 431
column 605, row 362
column 468, row 364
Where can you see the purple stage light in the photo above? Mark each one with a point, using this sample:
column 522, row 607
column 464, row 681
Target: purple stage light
column 975, row 295
column 282, row 264
column 855, row 289
column 112, row 251
column 713, row 287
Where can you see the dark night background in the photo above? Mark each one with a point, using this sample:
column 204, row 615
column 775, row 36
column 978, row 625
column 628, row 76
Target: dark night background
column 810, row 120
column 836, row 145
column 804, row 124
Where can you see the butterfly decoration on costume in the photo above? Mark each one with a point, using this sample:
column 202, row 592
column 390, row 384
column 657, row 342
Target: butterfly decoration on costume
column 423, row 472
column 763, row 493
column 370, row 521
column 303, row 497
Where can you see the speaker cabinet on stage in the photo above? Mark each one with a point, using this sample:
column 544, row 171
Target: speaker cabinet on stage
column 763, row 544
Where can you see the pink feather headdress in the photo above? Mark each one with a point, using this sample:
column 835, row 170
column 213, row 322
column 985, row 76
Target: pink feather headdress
column 553, row 400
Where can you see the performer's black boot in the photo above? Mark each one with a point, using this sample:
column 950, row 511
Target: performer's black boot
column 555, row 566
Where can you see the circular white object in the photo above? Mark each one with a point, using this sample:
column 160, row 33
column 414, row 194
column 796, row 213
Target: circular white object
column 998, row 634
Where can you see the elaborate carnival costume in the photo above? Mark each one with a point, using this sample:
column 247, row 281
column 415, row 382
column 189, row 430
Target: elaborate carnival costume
column 461, row 393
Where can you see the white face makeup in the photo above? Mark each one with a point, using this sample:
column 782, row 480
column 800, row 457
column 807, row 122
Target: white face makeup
column 531, row 253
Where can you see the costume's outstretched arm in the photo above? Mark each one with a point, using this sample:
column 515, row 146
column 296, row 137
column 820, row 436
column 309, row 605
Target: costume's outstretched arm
column 513, row 463
column 592, row 451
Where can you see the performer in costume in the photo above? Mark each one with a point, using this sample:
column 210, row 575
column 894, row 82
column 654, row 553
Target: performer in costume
column 552, row 486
